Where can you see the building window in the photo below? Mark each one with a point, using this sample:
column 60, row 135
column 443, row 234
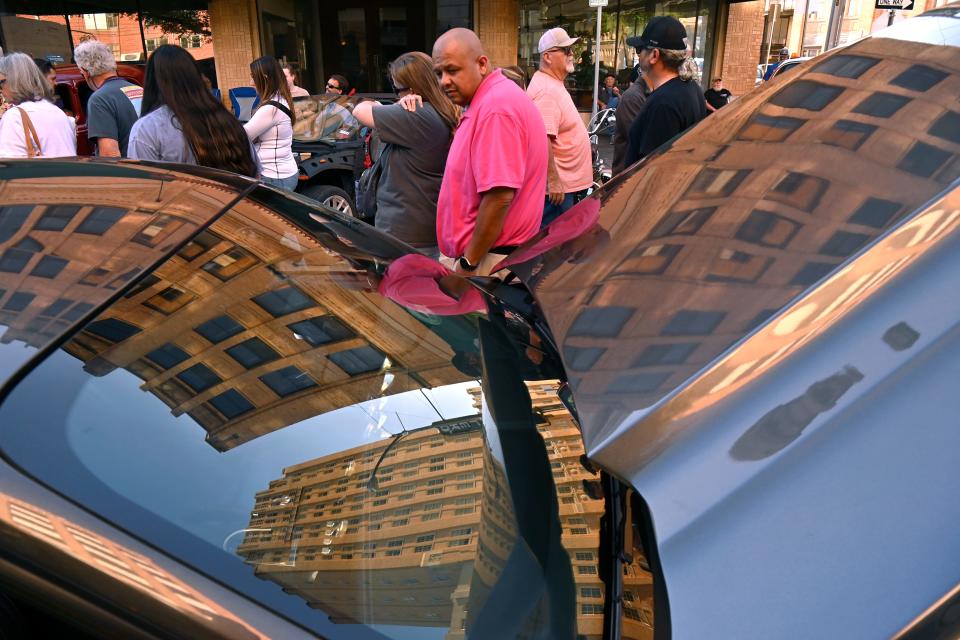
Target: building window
column 682, row 223
column 580, row 358
column 191, row 41
column 665, row 354
column 806, row 94
column 49, row 267
column 12, row 219
column 924, row 160
column 638, row 383
column 843, row 243
column 99, row 21
column 77, row 311
column 16, row 257
column 812, row 272
column 919, row 77
column 219, row 329
column 590, row 592
column 601, row 322
column 731, row 265
column 876, row 213
column 231, row 403
column 200, row 244
column 359, row 360
column 848, row 134
column 321, row 330
column 230, row 263
column 56, row 308
column 170, row 300
column 650, row 259
column 199, row 377
column 846, row 66
column 153, row 43
column 168, row 356
column 252, row 353
column 584, row 556
column 19, row 301
column 767, row 229
column 716, row 183
column 770, row 128
column 112, row 329
column 100, row 220
column 947, row 127
column 158, row 230
column 423, row 548
column 799, row 190
column 881, row 105
column 693, row 323
column 587, row 569
column 56, row 218
column 281, row 302
column 287, row 381
column 589, row 609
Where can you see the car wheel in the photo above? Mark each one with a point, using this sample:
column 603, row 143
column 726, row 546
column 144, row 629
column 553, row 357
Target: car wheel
column 331, row 197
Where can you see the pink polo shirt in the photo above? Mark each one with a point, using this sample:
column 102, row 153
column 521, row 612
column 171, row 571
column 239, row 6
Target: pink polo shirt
column 501, row 142
column 571, row 144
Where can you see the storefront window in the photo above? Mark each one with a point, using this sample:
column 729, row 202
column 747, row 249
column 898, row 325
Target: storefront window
column 619, row 21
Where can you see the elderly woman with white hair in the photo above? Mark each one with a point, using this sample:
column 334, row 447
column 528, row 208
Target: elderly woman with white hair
column 33, row 126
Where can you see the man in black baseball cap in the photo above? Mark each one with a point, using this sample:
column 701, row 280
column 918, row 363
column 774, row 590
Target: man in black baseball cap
column 677, row 102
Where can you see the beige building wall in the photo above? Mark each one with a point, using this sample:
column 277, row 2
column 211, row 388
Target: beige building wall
column 496, row 21
column 741, row 44
column 235, row 26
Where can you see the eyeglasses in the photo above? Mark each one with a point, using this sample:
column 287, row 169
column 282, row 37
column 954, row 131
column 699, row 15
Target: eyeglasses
column 333, row 86
column 567, row 51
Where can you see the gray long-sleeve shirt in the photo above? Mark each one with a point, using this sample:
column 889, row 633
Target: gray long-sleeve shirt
column 631, row 104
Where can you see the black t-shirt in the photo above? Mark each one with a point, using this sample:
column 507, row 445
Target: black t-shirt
column 716, row 98
column 672, row 108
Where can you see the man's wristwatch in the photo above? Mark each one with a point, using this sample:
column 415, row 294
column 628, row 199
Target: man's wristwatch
column 464, row 264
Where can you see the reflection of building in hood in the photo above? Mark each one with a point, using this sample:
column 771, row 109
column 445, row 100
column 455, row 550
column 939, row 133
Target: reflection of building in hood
column 784, row 424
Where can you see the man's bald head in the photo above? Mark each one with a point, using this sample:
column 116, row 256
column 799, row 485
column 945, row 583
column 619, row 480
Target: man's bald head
column 460, row 63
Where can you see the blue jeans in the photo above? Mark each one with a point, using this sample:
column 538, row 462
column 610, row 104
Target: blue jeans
column 289, row 183
column 552, row 211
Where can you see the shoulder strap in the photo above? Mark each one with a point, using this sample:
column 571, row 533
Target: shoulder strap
column 282, row 107
column 30, row 137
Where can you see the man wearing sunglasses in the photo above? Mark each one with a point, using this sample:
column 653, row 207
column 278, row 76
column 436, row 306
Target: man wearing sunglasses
column 337, row 84
column 569, row 168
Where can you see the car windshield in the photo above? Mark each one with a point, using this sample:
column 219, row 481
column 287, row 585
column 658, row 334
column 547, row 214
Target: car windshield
column 263, row 408
column 325, row 118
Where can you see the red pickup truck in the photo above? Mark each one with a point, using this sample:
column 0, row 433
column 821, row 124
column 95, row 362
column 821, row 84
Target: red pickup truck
column 74, row 92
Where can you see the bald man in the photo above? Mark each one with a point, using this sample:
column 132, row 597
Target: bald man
column 491, row 198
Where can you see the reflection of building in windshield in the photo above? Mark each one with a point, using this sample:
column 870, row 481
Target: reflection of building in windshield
column 427, row 546
column 67, row 244
column 254, row 326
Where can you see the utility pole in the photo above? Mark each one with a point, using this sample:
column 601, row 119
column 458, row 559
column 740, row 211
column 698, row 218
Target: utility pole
column 599, row 4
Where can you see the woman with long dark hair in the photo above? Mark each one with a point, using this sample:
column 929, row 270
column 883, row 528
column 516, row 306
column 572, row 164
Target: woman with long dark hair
column 181, row 121
column 271, row 127
column 417, row 131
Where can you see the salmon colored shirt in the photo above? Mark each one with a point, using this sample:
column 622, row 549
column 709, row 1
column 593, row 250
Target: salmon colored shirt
column 571, row 144
column 500, row 142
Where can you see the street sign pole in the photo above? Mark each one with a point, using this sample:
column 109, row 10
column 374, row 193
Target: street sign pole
column 596, row 65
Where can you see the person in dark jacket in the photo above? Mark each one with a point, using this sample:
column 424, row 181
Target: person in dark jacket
column 631, row 104
column 676, row 102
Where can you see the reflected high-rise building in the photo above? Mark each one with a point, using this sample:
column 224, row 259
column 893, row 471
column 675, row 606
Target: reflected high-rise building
column 425, row 544
column 247, row 334
column 743, row 218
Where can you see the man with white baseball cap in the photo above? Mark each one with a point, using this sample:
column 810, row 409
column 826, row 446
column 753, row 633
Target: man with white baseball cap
column 569, row 169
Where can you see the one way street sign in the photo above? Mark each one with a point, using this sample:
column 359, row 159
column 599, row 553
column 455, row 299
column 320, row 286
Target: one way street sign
column 897, row 5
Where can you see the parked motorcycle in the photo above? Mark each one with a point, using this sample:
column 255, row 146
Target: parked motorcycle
column 602, row 123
